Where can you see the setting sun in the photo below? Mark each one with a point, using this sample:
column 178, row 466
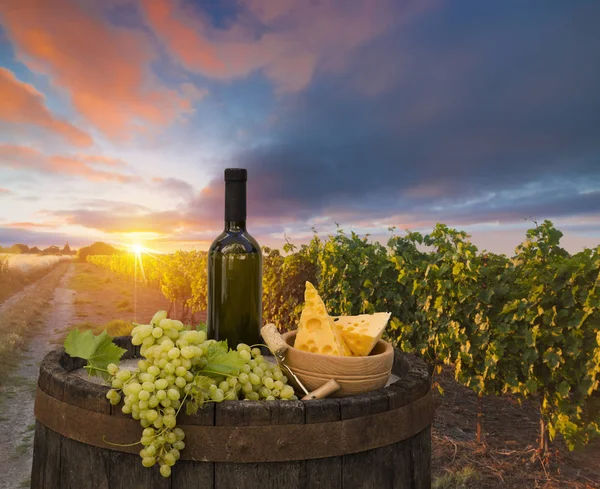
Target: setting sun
column 137, row 248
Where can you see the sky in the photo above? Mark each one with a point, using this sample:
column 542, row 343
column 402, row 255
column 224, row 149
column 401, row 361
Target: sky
column 117, row 119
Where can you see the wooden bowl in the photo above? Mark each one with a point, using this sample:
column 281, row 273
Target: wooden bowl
column 354, row 374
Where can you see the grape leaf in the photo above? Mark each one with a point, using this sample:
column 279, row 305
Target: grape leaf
column 99, row 350
column 220, row 359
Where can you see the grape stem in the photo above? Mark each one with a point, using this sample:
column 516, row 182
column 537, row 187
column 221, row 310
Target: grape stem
column 217, row 373
column 262, row 344
column 120, row 444
column 91, row 367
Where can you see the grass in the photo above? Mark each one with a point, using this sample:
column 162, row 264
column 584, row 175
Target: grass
column 124, row 305
column 84, row 280
column 30, row 427
column 23, row 447
column 13, row 280
column 116, row 327
column 461, row 479
column 23, row 320
column 25, row 482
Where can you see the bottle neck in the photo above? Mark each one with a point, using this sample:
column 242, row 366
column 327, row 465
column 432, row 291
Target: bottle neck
column 235, row 206
column 235, row 226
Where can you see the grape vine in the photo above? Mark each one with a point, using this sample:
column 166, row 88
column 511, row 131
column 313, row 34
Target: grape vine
column 526, row 325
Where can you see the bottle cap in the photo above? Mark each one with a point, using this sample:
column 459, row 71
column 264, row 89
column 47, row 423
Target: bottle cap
column 236, row 175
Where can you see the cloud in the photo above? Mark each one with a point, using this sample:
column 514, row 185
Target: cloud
column 28, row 225
column 174, row 187
column 101, row 160
column 289, row 41
column 30, row 159
column 22, row 104
column 5, row 191
column 105, row 69
column 10, row 236
column 120, row 217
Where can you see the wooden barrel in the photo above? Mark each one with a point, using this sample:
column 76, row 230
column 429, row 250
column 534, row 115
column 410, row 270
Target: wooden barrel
column 380, row 439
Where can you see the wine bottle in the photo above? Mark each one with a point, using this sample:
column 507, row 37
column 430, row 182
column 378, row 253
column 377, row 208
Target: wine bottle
column 235, row 272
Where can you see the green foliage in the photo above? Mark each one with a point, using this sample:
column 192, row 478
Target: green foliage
column 97, row 248
column 99, row 350
column 526, row 325
column 284, row 279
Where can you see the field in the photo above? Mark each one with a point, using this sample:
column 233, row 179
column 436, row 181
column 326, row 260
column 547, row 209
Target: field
column 102, row 294
column 17, row 271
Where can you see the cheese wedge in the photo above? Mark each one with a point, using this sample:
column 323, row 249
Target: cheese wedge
column 316, row 331
column 361, row 333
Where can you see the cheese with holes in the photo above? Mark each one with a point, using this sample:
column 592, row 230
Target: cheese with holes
column 361, row 333
column 316, row 331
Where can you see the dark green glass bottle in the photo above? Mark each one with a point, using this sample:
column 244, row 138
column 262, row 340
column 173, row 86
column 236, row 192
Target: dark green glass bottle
column 235, row 272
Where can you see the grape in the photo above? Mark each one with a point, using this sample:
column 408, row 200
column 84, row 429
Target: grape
column 287, row 391
column 154, row 370
column 264, row 392
column 252, row 396
column 174, row 353
column 124, row 375
column 148, row 461
column 151, row 415
column 218, row 395
column 170, row 373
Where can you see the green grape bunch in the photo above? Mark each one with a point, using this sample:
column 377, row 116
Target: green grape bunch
column 181, row 367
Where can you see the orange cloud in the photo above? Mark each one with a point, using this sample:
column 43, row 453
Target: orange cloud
column 28, row 225
column 21, row 103
column 104, row 68
column 25, row 158
column 298, row 38
column 101, row 160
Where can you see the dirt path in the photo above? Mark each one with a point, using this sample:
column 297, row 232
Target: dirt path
column 16, row 402
column 15, row 298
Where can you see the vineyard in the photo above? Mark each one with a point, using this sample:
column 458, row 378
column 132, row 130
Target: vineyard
column 527, row 325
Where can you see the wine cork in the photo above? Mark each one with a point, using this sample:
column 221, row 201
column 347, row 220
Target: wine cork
column 273, row 338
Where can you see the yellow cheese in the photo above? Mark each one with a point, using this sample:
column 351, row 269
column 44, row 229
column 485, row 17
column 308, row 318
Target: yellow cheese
column 316, row 332
column 361, row 333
